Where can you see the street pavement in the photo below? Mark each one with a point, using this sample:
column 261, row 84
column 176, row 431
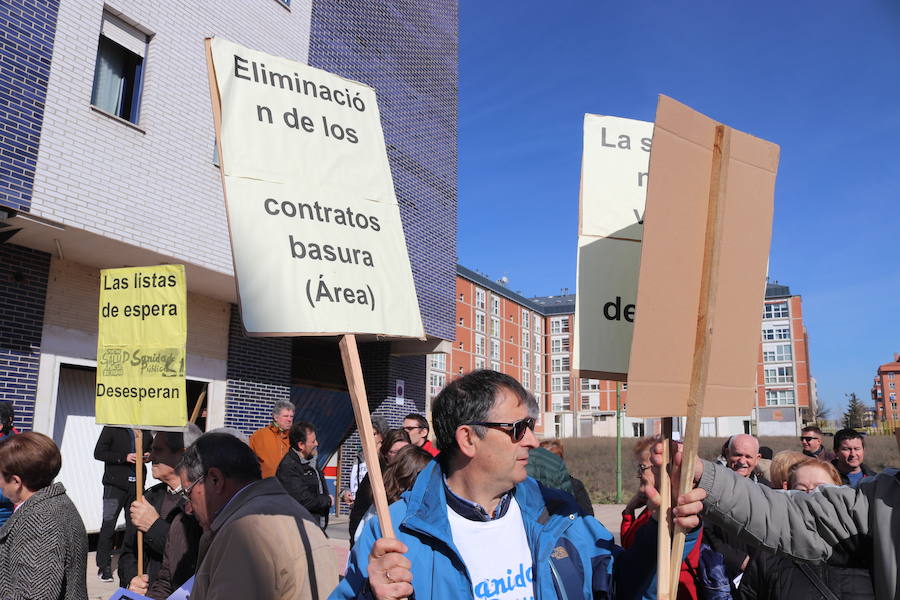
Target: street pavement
column 608, row 514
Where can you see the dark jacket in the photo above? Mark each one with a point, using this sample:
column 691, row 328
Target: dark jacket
column 866, row 471
column 306, row 484
column 549, row 469
column 823, row 454
column 781, row 578
column 180, row 557
column 361, row 504
column 154, row 538
column 43, row 549
column 113, row 447
column 582, row 497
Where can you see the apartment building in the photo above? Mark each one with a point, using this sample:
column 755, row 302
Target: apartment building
column 531, row 339
column 107, row 159
column 884, row 394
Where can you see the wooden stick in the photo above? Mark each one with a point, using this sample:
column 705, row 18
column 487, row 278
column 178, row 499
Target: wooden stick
column 663, row 548
column 353, row 372
column 196, row 412
column 700, row 366
column 139, row 493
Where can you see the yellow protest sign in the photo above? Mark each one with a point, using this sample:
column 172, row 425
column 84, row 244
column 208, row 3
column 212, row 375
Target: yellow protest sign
column 141, row 347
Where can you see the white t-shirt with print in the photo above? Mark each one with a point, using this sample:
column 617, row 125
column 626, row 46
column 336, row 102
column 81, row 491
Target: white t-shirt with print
column 496, row 554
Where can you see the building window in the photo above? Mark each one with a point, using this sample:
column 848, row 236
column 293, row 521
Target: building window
column 775, row 310
column 559, row 364
column 495, row 327
column 538, row 322
column 495, row 305
column 525, row 317
column 559, row 325
column 537, row 343
column 479, row 298
column 495, row 350
column 462, row 346
column 559, row 345
column 118, row 71
column 526, row 339
column 892, row 396
column 590, row 385
column 779, row 374
column 560, row 383
column 537, row 383
column 779, row 397
column 526, row 360
column 891, row 385
column 479, row 362
column 479, row 345
column 479, row 322
column 436, row 382
column 561, row 403
column 537, row 361
column 777, row 353
column 495, row 366
column 776, row 333
column 438, row 361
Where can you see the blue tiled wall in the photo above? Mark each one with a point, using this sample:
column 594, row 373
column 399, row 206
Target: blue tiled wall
column 259, row 373
column 23, row 291
column 27, row 29
column 407, row 51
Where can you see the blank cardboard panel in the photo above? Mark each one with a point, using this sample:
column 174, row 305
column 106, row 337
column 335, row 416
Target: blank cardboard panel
column 668, row 298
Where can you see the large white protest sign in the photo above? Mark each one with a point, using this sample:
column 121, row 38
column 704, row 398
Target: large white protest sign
column 316, row 235
column 613, row 189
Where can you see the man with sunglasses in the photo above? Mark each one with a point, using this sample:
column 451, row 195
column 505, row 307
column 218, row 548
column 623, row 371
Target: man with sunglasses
column 474, row 524
column 811, row 442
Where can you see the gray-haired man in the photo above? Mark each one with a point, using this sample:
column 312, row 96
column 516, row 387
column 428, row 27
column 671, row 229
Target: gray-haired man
column 271, row 443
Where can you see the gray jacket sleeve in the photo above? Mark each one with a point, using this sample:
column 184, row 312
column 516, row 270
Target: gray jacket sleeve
column 801, row 525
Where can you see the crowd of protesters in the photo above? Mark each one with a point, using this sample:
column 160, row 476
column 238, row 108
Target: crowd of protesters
column 486, row 511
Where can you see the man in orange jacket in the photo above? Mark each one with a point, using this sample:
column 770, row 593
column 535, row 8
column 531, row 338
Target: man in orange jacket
column 271, row 442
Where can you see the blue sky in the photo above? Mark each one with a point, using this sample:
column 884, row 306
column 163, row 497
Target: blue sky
column 819, row 78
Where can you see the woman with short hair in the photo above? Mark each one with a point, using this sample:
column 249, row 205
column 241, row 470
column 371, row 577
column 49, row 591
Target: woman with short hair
column 43, row 545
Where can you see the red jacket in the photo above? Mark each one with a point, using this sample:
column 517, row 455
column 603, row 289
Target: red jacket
column 687, row 585
column 429, row 448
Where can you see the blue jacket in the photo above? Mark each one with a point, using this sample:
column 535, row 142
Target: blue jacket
column 573, row 555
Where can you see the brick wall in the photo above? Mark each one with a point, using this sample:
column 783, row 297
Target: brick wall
column 259, row 373
column 27, row 29
column 23, row 288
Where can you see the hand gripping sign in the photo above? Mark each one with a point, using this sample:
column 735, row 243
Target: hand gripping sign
column 316, row 235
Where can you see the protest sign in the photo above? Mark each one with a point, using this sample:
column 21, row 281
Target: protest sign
column 316, row 235
column 141, row 347
column 707, row 228
column 613, row 190
column 681, row 261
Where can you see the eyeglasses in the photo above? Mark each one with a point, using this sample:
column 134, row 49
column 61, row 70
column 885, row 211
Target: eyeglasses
column 186, row 492
column 517, row 428
column 808, row 438
column 641, row 469
column 408, row 429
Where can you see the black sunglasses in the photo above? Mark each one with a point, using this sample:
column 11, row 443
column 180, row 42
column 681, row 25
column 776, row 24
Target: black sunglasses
column 517, row 429
column 808, row 438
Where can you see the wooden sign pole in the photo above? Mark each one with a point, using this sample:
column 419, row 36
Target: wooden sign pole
column 139, row 493
column 702, row 341
column 664, row 548
column 198, row 407
column 353, row 372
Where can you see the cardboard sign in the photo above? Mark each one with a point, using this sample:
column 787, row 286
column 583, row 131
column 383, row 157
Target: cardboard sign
column 672, row 262
column 141, row 347
column 316, row 235
column 613, row 189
